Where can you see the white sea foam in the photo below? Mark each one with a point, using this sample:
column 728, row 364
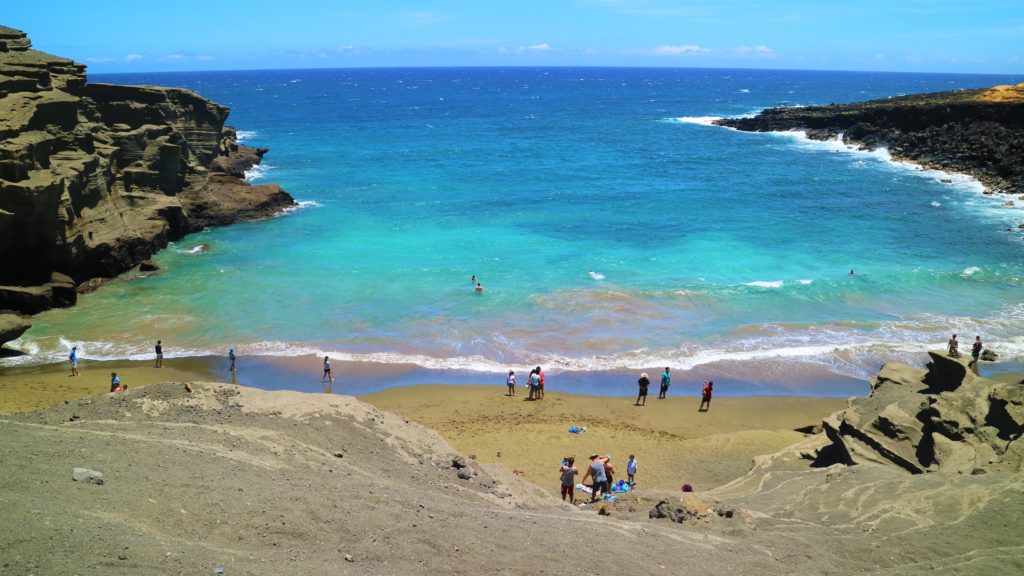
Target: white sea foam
column 765, row 283
column 970, row 271
column 744, row 90
column 702, row 120
column 197, row 249
column 806, row 281
column 596, row 275
column 243, row 135
column 257, row 172
column 936, row 203
column 300, row 204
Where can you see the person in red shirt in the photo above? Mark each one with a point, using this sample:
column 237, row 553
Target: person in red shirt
column 540, row 374
column 705, row 396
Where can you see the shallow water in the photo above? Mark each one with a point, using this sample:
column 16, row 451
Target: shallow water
column 708, row 246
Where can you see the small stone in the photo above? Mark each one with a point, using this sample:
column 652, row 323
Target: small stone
column 87, row 476
column 339, row 455
column 465, row 474
column 349, row 558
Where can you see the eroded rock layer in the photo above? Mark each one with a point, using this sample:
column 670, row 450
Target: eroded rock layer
column 95, row 178
column 943, row 419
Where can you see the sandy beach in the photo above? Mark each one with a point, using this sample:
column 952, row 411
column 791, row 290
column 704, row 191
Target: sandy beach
column 672, row 441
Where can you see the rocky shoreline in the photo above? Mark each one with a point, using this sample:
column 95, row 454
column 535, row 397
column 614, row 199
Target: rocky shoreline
column 975, row 132
column 96, row 178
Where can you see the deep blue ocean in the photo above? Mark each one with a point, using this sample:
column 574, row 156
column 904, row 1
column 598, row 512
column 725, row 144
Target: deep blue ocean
column 611, row 227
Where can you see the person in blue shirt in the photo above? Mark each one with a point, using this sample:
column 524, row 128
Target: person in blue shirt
column 74, row 360
column 666, row 378
column 231, row 358
column 115, row 383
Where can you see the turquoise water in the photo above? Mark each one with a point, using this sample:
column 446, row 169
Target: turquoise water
column 709, row 247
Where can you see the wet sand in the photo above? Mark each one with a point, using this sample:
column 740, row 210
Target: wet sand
column 672, row 441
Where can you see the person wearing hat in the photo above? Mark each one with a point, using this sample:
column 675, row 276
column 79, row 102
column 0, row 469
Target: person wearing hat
column 643, row 383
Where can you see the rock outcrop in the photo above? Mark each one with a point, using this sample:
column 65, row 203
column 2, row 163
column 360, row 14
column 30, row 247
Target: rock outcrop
column 95, row 178
column 11, row 327
column 943, row 419
column 977, row 132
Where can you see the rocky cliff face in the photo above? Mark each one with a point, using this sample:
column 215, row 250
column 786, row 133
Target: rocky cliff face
column 95, row 178
column 977, row 132
column 943, row 419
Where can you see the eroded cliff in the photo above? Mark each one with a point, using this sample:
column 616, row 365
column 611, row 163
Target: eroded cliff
column 977, row 132
column 95, row 178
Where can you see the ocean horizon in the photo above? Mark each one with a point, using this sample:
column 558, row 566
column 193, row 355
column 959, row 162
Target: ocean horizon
column 612, row 226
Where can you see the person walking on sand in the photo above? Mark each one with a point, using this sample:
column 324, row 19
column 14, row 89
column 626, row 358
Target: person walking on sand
column 232, row 358
column 596, row 471
column 328, row 374
column 568, row 475
column 631, row 469
column 643, row 383
column 159, row 355
column 73, row 357
column 115, row 383
column 705, row 396
column 953, row 347
column 540, row 383
column 511, row 383
column 666, row 378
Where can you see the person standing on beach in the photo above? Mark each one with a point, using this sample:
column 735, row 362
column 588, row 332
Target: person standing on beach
column 115, row 383
column 159, row 355
column 666, row 378
column 596, row 471
column 976, row 352
column 568, row 475
column 74, row 360
column 609, row 472
column 231, row 358
column 540, row 383
column 511, row 382
column 534, row 384
column 631, row 469
column 705, row 396
column 643, row 383
column 953, row 347
column 328, row 374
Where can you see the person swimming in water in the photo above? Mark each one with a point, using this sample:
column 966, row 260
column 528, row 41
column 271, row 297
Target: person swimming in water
column 479, row 287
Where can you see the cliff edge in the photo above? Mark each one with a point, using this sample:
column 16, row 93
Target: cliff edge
column 978, row 132
column 95, row 178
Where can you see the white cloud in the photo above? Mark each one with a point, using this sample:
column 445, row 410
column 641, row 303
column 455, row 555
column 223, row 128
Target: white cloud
column 205, row 57
column 133, row 57
column 99, row 60
column 345, row 48
column 762, row 49
column 668, row 50
column 759, row 50
column 880, row 56
column 534, row 48
column 174, row 57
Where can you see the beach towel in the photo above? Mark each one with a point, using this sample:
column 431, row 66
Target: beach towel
column 584, row 488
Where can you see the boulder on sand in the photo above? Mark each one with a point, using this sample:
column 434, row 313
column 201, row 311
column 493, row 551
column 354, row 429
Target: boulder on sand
column 12, row 327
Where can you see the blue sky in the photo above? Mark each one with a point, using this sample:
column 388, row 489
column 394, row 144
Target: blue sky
column 983, row 36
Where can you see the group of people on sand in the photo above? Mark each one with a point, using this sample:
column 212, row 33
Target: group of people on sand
column 666, row 380
column 600, row 472
column 115, row 381
column 535, row 382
